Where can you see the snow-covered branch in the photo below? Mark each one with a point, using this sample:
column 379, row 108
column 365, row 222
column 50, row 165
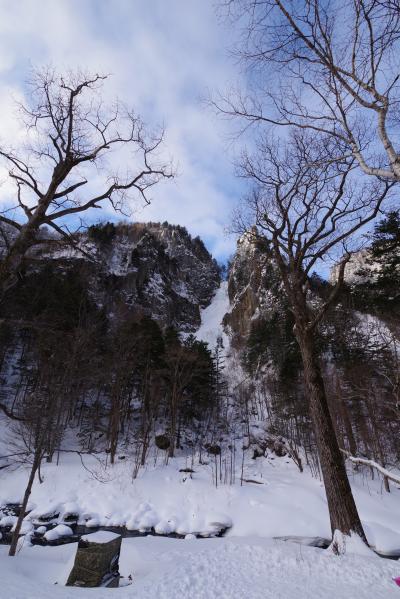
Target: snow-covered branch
column 372, row 464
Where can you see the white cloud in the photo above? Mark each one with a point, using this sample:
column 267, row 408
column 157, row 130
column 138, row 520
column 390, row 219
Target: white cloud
column 163, row 57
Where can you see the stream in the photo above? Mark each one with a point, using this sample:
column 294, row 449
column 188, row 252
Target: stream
column 44, row 524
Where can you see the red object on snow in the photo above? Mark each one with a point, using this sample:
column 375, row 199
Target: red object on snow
column 397, row 581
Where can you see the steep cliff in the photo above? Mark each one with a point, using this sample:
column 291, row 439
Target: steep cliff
column 253, row 288
column 156, row 270
column 359, row 269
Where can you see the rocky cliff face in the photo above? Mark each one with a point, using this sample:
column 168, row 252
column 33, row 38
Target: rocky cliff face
column 253, row 287
column 152, row 269
column 158, row 270
column 359, row 269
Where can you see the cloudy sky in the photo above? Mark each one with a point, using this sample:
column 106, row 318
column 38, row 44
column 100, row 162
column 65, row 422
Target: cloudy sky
column 163, row 56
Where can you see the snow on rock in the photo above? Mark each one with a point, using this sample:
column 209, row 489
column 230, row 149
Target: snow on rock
column 352, row 543
column 8, row 521
column 61, row 530
column 69, row 509
column 93, row 522
column 382, row 538
column 100, row 537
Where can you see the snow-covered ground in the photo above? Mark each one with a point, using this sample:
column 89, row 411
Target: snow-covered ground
column 269, row 498
column 250, row 568
column 280, row 501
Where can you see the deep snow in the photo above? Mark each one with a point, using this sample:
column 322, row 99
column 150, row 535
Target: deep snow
column 279, row 501
column 211, row 318
column 286, row 503
column 230, row 568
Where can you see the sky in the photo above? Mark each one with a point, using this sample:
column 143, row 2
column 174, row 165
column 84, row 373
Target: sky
column 163, row 57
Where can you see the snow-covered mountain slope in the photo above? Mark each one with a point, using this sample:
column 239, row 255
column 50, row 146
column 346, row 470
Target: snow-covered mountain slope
column 211, row 327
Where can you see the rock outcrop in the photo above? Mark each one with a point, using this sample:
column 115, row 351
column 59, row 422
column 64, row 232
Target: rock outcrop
column 359, row 269
column 145, row 269
column 253, row 287
column 97, row 561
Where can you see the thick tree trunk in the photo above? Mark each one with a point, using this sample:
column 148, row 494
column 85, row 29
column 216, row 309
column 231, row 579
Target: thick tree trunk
column 342, row 508
column 15, row 537
column 11, row 265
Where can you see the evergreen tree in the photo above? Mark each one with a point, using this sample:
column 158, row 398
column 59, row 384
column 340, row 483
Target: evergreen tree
column 385, row 249
column 380, row 289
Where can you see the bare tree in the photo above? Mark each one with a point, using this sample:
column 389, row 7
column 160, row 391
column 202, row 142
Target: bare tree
column 35, row 466
column 37, row 416
column 180, row 368
column 62, row 171
column 304, row 207
column 329, row 66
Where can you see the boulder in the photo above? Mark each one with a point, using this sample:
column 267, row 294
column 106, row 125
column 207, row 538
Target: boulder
column 97, row 561
column 162, row 442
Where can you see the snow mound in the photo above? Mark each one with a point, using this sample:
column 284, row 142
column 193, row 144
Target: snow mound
column 59, row 531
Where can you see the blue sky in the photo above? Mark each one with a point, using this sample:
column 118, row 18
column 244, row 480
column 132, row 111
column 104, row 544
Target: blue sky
column 163, row 56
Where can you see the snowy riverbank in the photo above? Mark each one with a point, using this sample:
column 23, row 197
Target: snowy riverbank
column 206, row 569
column 277, row 500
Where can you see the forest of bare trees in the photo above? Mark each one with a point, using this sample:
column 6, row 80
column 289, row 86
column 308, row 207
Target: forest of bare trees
column 316, row 124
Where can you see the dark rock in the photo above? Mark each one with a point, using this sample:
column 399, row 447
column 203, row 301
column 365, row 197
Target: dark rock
column 162, row 442
column 255, row 482
column 68, row 518
column 39, row 539
column 319, row 542
column 257, row 453
column 277, row 446
column 279, row 449
column 12, row 509
column 144, row 270
column 96, row 561
column 49, row 517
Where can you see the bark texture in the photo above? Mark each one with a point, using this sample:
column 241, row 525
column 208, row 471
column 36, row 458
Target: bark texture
column 342, row 508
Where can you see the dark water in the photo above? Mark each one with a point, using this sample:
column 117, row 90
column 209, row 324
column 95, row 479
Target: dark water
column 80, row 530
